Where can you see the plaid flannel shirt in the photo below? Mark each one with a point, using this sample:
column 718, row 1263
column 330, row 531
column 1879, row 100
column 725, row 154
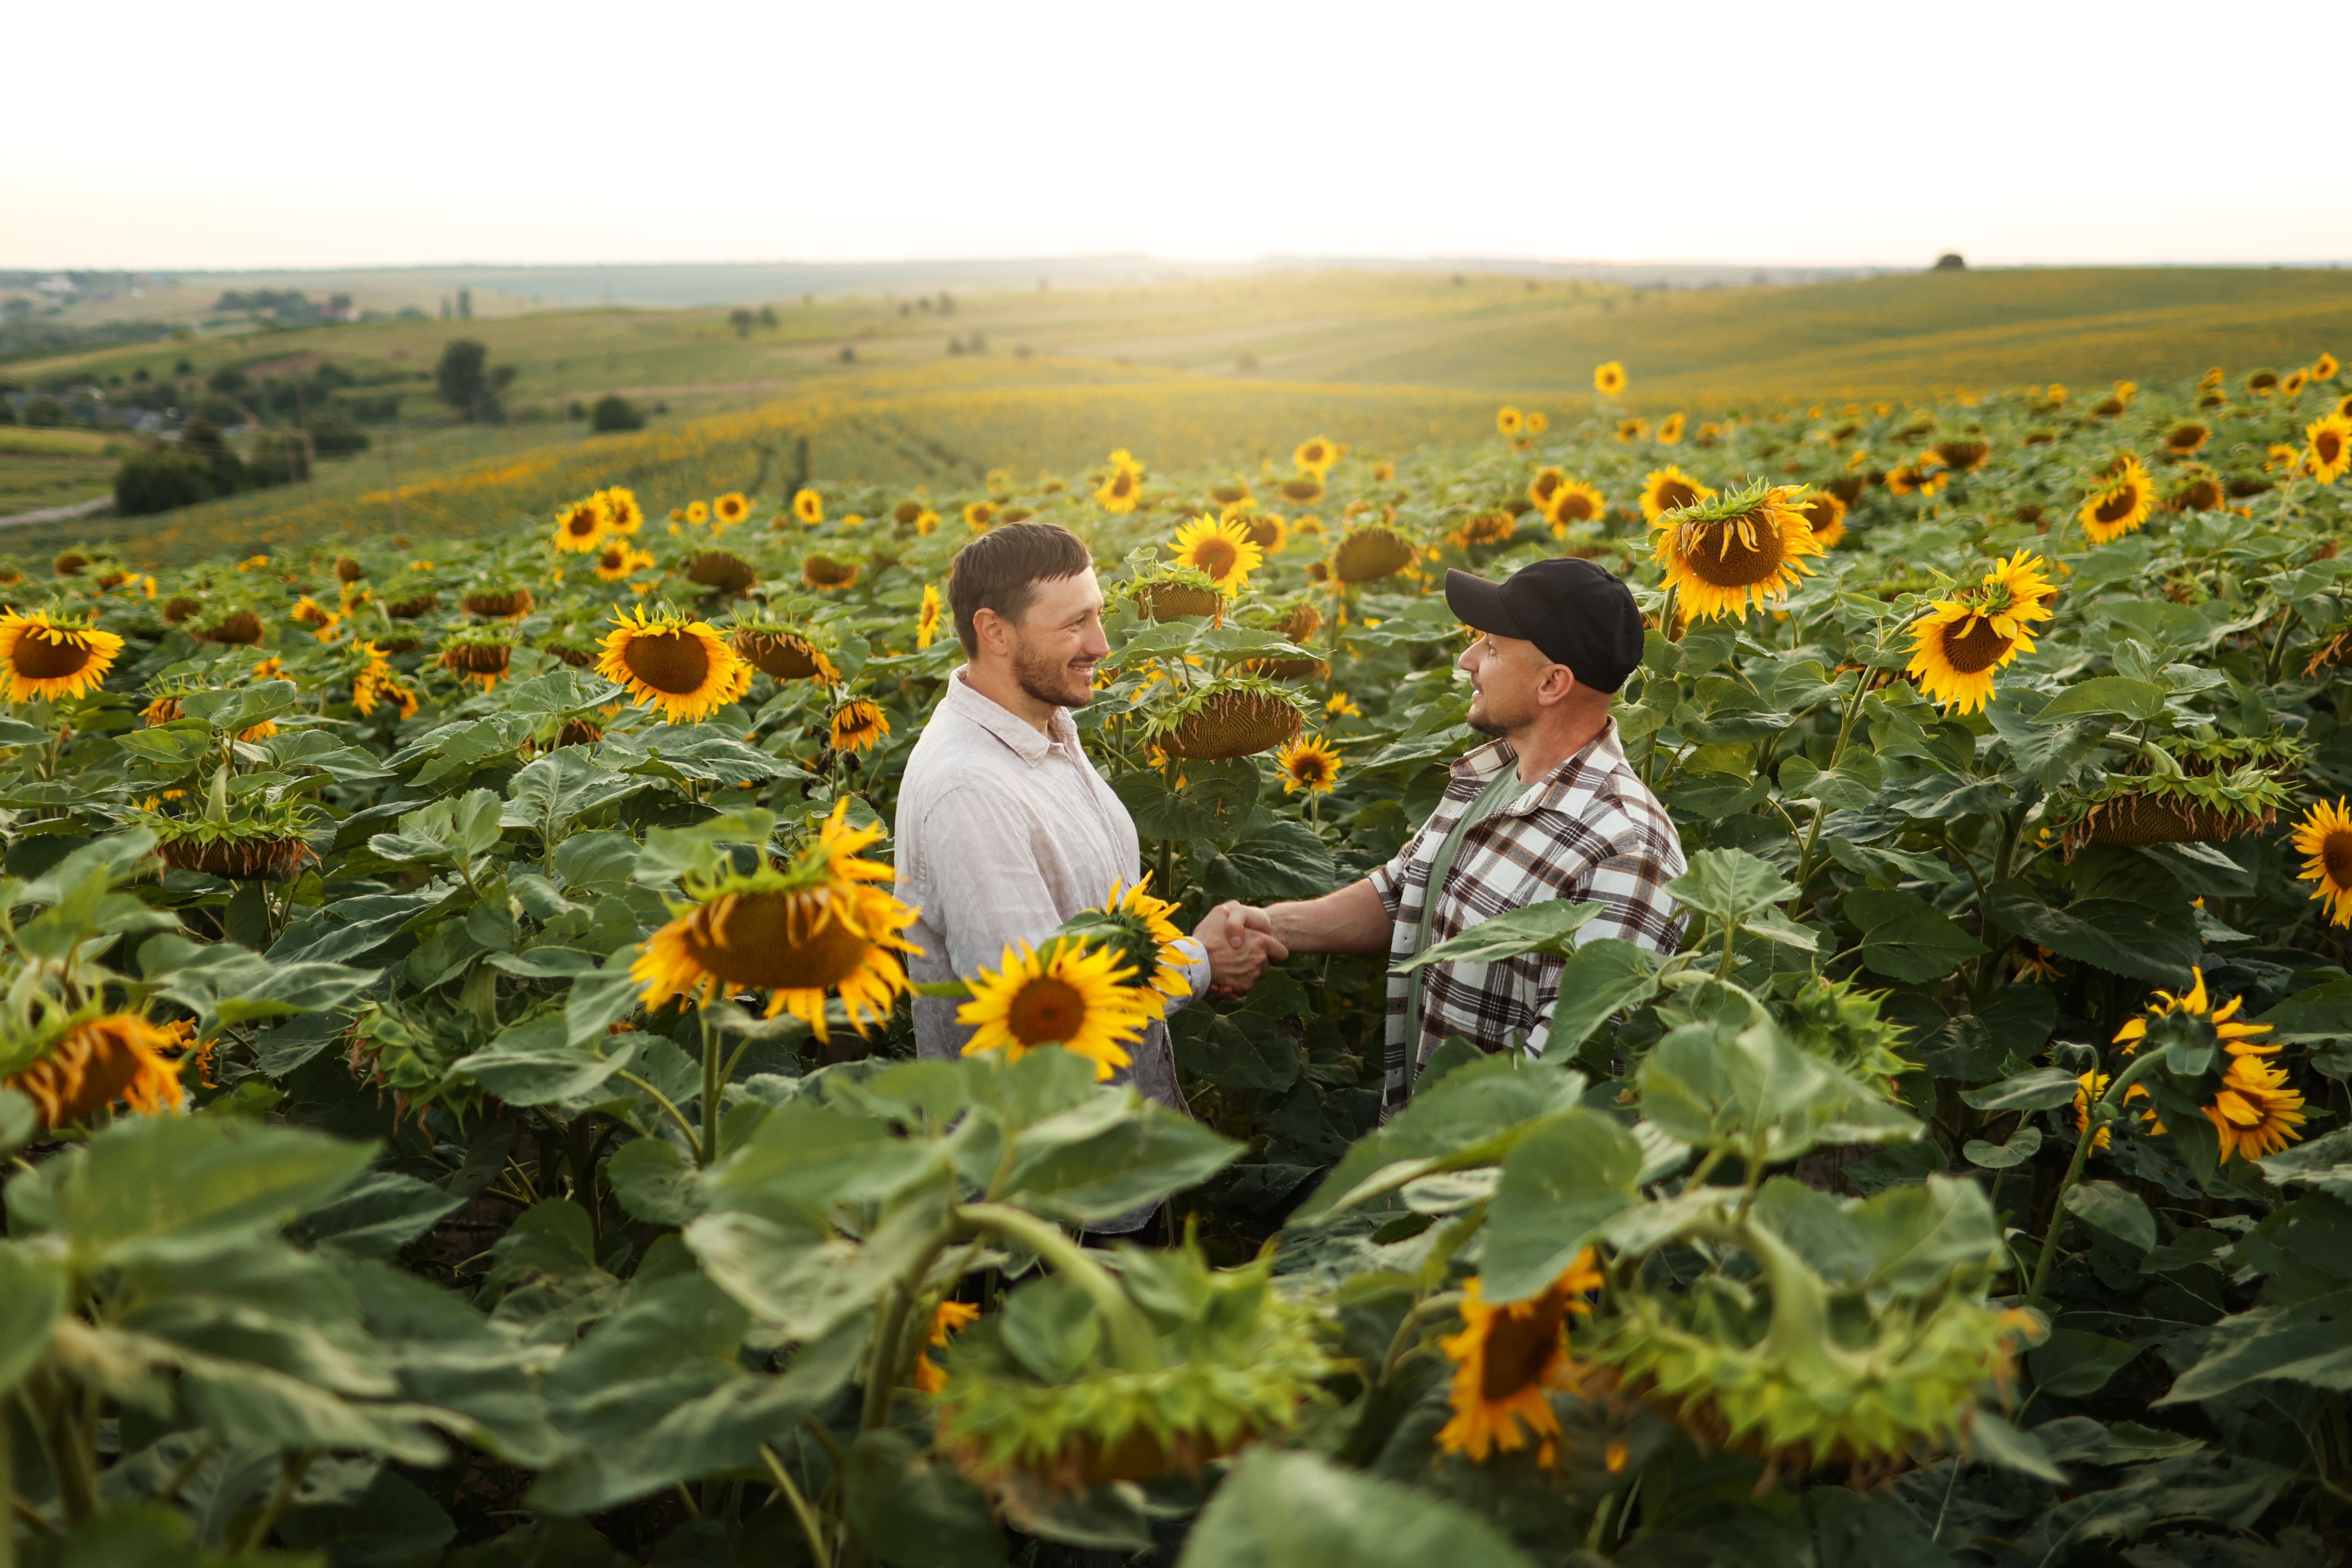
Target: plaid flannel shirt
column 1590, row 831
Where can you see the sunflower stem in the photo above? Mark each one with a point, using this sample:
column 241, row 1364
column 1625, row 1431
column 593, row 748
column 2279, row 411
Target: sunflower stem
column 710, row 1090
column 693, row 1136
column 2092, row 1126
column 811, row 1527
column 1131, row 1333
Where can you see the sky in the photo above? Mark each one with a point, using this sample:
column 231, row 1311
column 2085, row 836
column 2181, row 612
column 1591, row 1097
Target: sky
column 258, row 135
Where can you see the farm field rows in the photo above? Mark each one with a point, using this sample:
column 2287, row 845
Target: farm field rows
column 459, row 1077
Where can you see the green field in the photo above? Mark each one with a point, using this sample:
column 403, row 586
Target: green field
column 1185, row 373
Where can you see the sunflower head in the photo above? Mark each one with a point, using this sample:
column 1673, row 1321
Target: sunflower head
column 731, row 509
column 827, row 574
column 1537, row 422
column 808, row 507
column 2253, row 1111
column 820, row 923
column 1572, row 502
column 117, row 1059
column 1369, row 552
column 783, row 652
column 1631, row 430
column 1122, row 488
column 1670, row 429
column 721, row 572
column 2323, row 837
column 1307, row 763
column 1959, row 644
column 622, row 513
column 1087, row 1000
column 979, row 516
column 1826, row 513
column 1316, row 456
column 2237, row 1038
column 1724, row 552
column 45, row 658
column 1138, row 927
column 857, row 725
column 617, row 559
column 2186, row 438
column 2329, row 452
column 2324, row 368
column 579, row 525
column 1668, row 490
column 666, row 661
column 927, row 619
column 1301, row 489
column 1609, row 378
column 2122, row 502
column 1509, row 420
column 1507, row 1358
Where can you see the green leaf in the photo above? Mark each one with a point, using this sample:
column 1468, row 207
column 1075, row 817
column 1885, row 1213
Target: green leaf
column 1750, row 1091
column 1853, row 785
column 1148, row 1156
column 1602, row 977
column 1548, row 926
column 1160, row 813
column 917, row 1513
column 145, row 1183
column 1298, row 1510
column 2121, row 1214
column 1237, row 1050
column 1558, row 1185
column 1908, row 939
column 227, row 985
column 2074, row 1363
column 534, row 1062
column 548, row 794
column 2305, row 1342
column 1224, row 791
column 448, row 832
column 1881, row 864
column 19, row 1119
column 1996, row 1442
column 801, row 1282
column 375, row 1217
column 2023, row 1146
column 2120, row 937
column 1730, row 885
column 32, row 1296
column 1286, row 860
column 1472, row 1116
column 2044, row 1089
column 654, row 1182
column 2114, row 696
column 2323, row 1165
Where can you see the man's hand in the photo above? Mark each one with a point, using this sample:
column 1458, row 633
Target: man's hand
column 1241, row 943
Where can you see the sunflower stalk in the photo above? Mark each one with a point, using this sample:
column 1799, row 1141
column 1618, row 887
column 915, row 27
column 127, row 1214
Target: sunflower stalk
column 2100, row 1111
column 1131, row 1335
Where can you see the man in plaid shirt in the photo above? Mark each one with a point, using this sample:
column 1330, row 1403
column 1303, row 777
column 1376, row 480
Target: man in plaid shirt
column 1550, row 809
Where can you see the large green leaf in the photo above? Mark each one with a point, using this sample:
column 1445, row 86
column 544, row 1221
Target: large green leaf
column 1558, row 1185
column 1731, row 884
column 454, row 832
column 32, row 1295
column 2118, row 1211
column 1146, row 1155
column 1906, row 938
column 2107, row 696
column 1548, row 926
column 2074, row 1363
column 1748, row 1089
column 916, row 1512
column 1237, row 1050
column 148, row 1183
column 2305, row 1342
column 376, row 1216
column 1602, row 977
column 534, row 1062
column 1283, row 860
column 547, row 795
column 2044, row 1089
column 1472, row 1116
column 2120, row 937
column 224, row 985
column 1294, row 1510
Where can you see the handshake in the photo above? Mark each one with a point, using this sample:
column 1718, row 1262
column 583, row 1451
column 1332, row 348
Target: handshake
column 1241, row 942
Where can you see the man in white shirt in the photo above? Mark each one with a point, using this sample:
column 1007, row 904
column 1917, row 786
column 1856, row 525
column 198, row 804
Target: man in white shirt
column 1004, row 828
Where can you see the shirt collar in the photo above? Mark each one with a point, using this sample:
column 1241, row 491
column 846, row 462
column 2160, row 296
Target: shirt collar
column 1582, row 770
column 1016, row 732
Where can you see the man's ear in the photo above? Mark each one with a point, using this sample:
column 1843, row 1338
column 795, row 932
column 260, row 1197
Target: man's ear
column 1558, row 685
column 989, row 631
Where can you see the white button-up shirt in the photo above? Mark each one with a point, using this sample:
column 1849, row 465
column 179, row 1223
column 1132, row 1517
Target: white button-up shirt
column 1004, row 833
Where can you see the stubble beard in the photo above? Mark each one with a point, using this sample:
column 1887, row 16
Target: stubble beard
column 1051, row 682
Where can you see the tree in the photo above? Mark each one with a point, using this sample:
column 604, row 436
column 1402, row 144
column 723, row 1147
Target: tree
column 768, row 316
column 741, row 321
column 1951, row 261
column 615, row 412
column 467, row 385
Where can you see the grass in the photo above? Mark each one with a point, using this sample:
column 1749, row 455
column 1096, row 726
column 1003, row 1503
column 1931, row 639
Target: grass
column 1186, row 374
column 42, row 469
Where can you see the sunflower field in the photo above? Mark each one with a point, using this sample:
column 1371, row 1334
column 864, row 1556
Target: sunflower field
column 460, row 1103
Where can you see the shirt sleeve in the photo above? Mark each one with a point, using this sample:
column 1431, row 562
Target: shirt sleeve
column 1196, row 973
column 1389, row 880
column 1631, row 889
column 993, row 892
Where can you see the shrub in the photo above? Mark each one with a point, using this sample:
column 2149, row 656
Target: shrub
column 615, row 412
column 163, row 480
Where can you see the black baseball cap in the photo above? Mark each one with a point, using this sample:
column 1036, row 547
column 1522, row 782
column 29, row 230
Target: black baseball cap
column 1580, row 615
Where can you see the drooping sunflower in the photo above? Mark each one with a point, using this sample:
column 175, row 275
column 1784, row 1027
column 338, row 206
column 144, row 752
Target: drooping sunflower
column 2120, row 505
column 1609, row 378
column 2238, row 1039
column 857, row 725
column 1301, row 489
column 118, row 1057
column 1121, row 488
column 581, row 525
column 2186, row 438
column 1827, row 514
column 668, row 661
column 1924, row 475
column 825, row 573
column 2199, row 490
column 2293, row 384
column 1572, row 502
column 2253, row 1111
column 1668, row 488
column 2325, row 836
column 778, row 650
column 1506, row 1360
column 1670, row 429
column 1315, row 456
column 619, row 559
column 1307, row 763
column 1072, row 996
column 927, row 619
column 1959, row 644
column 1509, row 420
column 818, row 924
column 2330, row 448
column 2262, row 383
column 1223, row 549
column 622, row 513
column 44, row 659
column 948, row 1319
column 1266, row 531
column 731, row 509
column 1724, row 551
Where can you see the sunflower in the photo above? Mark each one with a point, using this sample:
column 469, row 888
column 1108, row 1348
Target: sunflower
column 1721, row 552
column 2293, row 386
column 2330, row 452
column 1827, row 514
column 824, row 573
column 622, row 512
column 579, row 526
column 1572, row 502
column 1632, row 429
column 2262, row 383
column 785, row 653
column 731, row 509
column 1509, row 420
column 1924, row 475
column 857, row 725
column 620, row 558
column 45, row 659
column 1223, row 549
column 1305, row 490
column 1546, row 481
column 948, row 1319
column 2238, row 1039
column 927, row 619
column 809, row 508
column 1506, row 1359
column 120, row 1056
column 2186, row 438
column 1147, row 920
column 1071, row 996
column 2324, row 368
column 1962, row 456
column 1342, row 706
column 979, row 515
column 1963, row 639
column 2254, row 1110
column 1266, row 531
column 2200, row 490
column 1122, row 488
column 2325, row 834
column 1670, row 429
column 1668, row 488
column 1307, row 763
column 816, row 925
column 1537, row 422
column 683, row 666
column 1609, row 378
column 1316, row 456
column 2122, row 503
column 2344, row 406
column 378, row 683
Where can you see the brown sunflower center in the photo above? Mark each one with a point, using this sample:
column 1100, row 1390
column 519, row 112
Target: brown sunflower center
column 775, row 942
column 1725, row 556
column 2118, row 504
column 1122, row 483
column 1310, row 769
column 1976, row 650
column 2335, row 855
column 1215, row 555
column 852, row 722
column 1673, row 494
column 673, row 663
column 2327, row 445
column 45, row 655
column 1576, row 507
column 612, row 561
column 581, row 524
column 1519, row 1346
column 1047, row 1012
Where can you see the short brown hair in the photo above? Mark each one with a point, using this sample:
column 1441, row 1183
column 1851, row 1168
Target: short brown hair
column 1001, row 570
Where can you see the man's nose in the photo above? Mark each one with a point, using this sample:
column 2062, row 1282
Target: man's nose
column 1093, row 644
column 1469, row 659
